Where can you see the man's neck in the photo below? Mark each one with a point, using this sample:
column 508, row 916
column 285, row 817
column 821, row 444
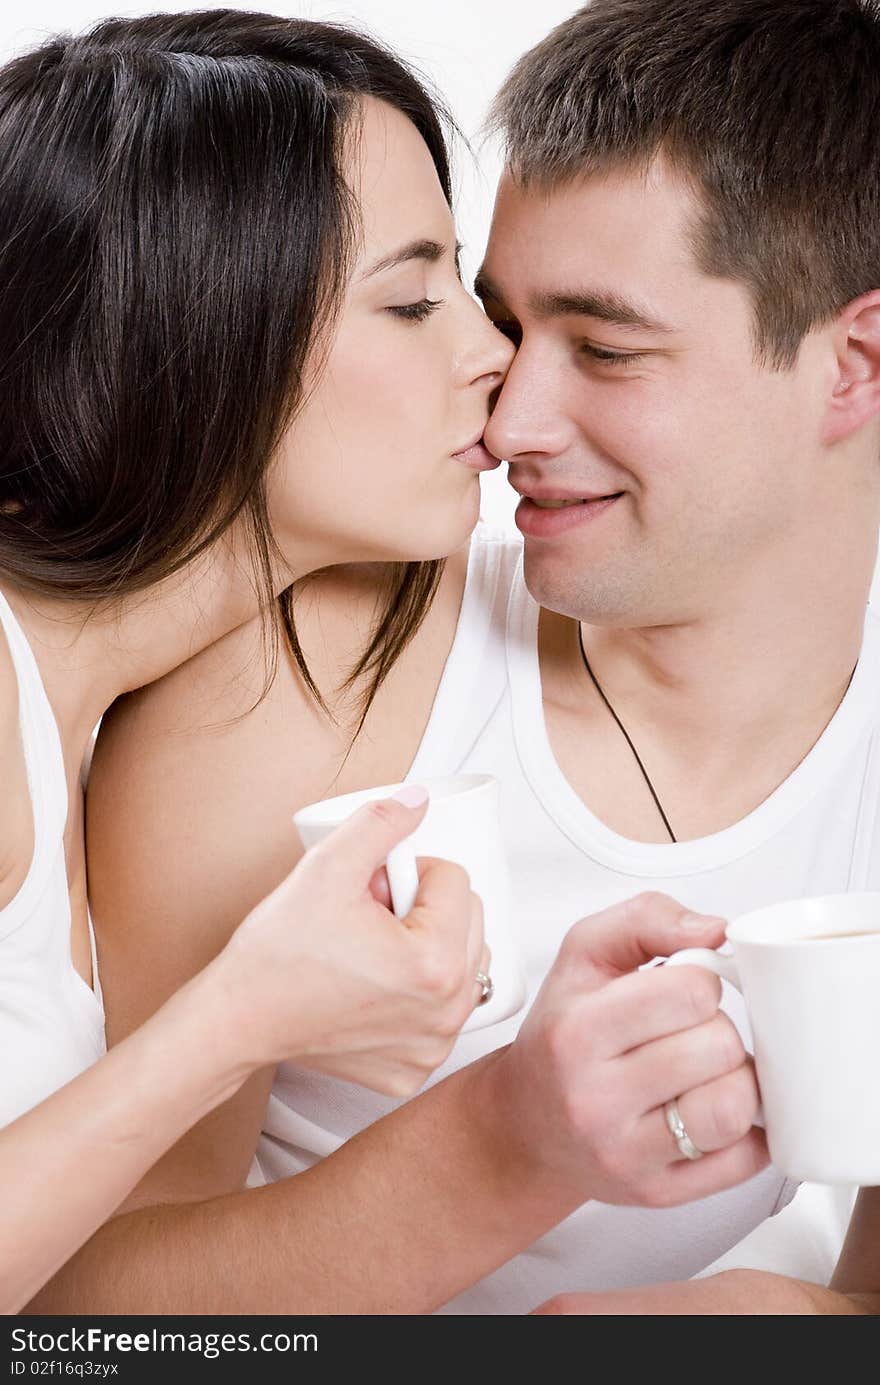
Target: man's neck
column 721, row 709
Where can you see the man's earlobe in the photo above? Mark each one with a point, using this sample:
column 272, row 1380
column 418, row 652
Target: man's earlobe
column 855, row 396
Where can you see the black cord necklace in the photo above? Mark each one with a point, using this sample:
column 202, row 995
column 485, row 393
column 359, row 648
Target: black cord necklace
column 594, row 680
column 626, row 734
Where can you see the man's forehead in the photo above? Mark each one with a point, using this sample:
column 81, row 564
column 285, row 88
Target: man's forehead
column 622, row 234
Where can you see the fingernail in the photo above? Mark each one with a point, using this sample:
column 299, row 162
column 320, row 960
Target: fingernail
column 411, row 795
column 699, row 923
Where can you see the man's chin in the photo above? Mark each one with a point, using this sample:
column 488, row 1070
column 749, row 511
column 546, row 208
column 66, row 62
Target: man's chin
column 591, row 596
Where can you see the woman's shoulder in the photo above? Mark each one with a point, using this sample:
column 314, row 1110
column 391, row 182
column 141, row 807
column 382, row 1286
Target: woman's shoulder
column 232, row 721
column 334, row 614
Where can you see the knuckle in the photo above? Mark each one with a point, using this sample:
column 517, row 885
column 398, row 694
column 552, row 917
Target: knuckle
column 437, row 977
column 731, row 1052
column 658, row 1194
column 408, row 1085
column 397, row 1084
column 448, row 1026
column 379, row 810
column 578, row 935
column 702, row 992
column 434, row 978
column 574, row 944
column 649, row 905
column 455, row 878
column 730, row 1113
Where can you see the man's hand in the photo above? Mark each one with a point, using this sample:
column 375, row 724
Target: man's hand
column 582, row 1088
column 733, row 1292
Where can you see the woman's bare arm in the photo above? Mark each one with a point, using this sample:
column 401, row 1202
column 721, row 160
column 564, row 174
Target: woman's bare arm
column 374, row 1000
column 188, row 826
column 84, row 1148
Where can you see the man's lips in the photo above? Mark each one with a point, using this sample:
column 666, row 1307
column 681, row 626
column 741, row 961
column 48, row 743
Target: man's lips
column 558, row 493
column 545, row 520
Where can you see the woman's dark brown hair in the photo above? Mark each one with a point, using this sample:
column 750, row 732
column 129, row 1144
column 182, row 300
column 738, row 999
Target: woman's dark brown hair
column 175, row 233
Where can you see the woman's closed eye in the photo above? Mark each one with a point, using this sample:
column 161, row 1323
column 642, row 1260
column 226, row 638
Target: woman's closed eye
column 416, row 312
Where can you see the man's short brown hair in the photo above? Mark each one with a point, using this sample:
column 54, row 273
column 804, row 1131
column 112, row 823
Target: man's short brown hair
column 771, row 108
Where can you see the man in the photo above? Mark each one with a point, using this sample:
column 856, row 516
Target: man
column 686, row 251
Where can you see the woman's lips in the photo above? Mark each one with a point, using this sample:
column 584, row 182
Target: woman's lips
column 477, row 457
column 537, row 523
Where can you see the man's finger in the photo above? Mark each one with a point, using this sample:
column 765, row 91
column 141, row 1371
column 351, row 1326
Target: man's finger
column 627, row 935
column 647, row 1006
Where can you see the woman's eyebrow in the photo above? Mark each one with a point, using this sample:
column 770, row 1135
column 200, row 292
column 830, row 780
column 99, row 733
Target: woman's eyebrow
column 428, row 250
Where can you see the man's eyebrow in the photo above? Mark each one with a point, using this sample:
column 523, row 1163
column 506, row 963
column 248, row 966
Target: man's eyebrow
column 612, row 308
column 606, row 307
column 429, row 250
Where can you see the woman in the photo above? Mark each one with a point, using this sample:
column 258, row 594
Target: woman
column 234, row 354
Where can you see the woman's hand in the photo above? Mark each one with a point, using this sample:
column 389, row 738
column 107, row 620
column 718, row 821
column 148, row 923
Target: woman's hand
column 322, row 973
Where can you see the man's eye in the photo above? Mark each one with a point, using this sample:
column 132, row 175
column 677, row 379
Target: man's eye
column 606, row 357
column 416, row 312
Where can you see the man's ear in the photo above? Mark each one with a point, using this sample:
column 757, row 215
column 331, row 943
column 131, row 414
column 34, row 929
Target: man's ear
column 855, row 397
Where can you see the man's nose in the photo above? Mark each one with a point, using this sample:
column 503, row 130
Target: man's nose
column 526, row 418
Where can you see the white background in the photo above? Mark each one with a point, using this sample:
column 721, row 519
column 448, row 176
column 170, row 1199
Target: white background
column 464, row 47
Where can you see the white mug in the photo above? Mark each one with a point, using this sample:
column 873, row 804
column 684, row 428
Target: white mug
column 461, row 824
column 809, row 970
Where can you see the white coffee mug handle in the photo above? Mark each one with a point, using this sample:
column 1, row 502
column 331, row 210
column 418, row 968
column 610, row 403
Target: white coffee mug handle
column 722, row 965
column 403, row 877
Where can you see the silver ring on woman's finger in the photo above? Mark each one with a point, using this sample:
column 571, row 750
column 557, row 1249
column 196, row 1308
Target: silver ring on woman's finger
column 682, row 1138
column 487, row 987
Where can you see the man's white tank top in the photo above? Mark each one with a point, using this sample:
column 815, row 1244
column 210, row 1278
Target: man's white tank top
column 51, row 1022
column 816, row 834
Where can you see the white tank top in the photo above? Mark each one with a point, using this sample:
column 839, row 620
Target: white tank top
column 816, row 834
column 51, row 1022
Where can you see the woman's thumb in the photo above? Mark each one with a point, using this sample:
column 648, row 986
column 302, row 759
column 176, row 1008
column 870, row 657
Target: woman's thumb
column 360, row 845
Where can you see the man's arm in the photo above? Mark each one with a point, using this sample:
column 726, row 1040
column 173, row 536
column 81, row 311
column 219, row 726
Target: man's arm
column 311, row 1244
column 858, row 1269
column 463, row 1177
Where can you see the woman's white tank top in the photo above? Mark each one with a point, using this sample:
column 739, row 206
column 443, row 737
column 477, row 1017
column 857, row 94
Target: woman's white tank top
column 51, row 1022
